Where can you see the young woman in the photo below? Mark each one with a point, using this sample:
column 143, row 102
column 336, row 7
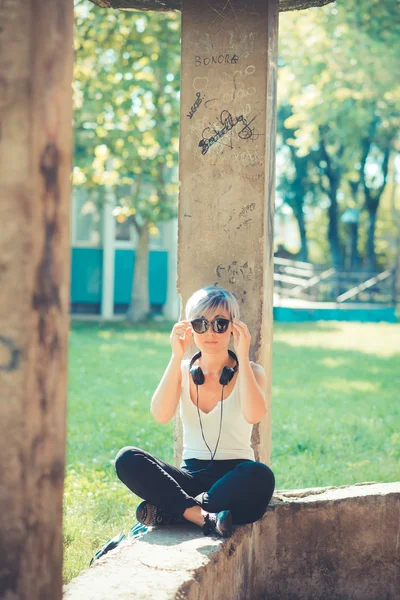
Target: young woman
column 221, row 394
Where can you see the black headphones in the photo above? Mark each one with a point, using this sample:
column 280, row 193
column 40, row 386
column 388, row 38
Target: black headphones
column 198, row 379
column 225, row 377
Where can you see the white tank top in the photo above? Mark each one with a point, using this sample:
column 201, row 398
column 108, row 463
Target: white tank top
column 235, row 432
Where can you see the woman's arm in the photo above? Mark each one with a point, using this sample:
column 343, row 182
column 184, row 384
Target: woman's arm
column 166, row 397
column 253, row 380
column 252, row 389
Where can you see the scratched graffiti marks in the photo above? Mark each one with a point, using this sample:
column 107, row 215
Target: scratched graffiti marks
column 233, row 39
column 9, row 354
column 234, row 220
column 242, row 123
column 225, row 12
column 244, row 214
column 219, row 59
column 238, row 85
column 211, row 136
column 234, row 272
column 195, row 105
column 239, row 295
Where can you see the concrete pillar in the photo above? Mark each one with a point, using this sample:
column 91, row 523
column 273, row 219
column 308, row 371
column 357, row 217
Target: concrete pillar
column 172, row 308
column 35, row 166
column 107, row 292
column 227, row 165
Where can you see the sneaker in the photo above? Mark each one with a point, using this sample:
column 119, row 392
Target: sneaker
column 149, row 514
column 219, row 523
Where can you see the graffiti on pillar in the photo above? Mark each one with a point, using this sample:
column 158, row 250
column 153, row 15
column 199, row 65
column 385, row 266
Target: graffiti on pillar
column 230, row 59
column 239, row 92
column 200, row 83
column 246, row 209
column 207, row 103
column 226, row 86
column 227, row 13
column 244, row 215
column 252, row 177
column 10, row 354
column 195, row 105
column 249, row 159
column 235, row 86
column 240, row 295
column 234, row 272
column 211, row 135
column 232, row 220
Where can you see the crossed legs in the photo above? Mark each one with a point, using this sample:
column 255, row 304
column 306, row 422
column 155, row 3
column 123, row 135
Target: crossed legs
column 245, row 489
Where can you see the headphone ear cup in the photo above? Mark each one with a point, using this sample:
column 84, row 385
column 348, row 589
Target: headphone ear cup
column 197, row 375
column 226, row 375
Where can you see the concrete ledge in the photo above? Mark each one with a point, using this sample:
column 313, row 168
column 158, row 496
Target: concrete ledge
column 330, row 543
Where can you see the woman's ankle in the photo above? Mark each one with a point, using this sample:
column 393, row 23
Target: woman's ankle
column 195, row 514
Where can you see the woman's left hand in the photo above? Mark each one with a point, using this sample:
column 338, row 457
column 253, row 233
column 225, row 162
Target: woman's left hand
column 241, row 339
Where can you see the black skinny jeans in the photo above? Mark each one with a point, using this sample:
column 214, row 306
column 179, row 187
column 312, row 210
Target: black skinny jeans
column 243, row 486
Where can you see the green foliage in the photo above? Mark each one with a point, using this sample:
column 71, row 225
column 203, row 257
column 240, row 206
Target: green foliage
column 339, row 77
column 336, row 415
column 126, row 93
column 379, row 19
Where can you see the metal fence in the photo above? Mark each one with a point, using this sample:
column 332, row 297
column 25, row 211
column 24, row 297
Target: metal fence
column 317, row 283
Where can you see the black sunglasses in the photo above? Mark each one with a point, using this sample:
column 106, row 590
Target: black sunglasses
column 219, row 325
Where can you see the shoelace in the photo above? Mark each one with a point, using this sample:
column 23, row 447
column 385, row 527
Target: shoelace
column 158, row 516
column 210, row 523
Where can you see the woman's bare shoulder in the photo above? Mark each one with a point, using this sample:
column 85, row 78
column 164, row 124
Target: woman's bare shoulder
column 259, row 374
column 184, row 368
column 256, row 367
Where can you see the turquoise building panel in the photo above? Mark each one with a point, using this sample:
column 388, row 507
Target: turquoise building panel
column 376, row 314
column 124, row 272
column 86, row 276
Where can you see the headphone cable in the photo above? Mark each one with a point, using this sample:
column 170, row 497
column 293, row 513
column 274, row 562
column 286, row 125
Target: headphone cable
column 202, row 432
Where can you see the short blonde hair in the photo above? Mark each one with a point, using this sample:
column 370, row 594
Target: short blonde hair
column 208, row 299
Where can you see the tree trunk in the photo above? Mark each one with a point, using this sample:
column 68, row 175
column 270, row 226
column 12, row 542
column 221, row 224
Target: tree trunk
column 370, row 257
column 333, row 171
column 303, row 254
column 354, row 255
column 353, row 232
column 139, row 307
column 333, row 228
column 396, row 219
column 372, row 199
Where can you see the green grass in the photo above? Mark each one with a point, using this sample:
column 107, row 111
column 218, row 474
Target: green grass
column 336, row 415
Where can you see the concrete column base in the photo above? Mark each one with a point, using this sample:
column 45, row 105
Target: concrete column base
column 330, row 543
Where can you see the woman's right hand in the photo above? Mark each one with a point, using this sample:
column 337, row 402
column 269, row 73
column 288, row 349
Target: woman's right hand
column 180, row 338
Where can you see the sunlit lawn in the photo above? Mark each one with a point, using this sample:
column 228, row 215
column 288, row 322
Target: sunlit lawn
column 336, row 415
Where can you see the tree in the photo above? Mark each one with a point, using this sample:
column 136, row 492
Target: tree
column 340, row 80
column 127, row 120
column 295, row 182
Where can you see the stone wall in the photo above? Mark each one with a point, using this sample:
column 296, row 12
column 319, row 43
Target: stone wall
column 330, row 543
